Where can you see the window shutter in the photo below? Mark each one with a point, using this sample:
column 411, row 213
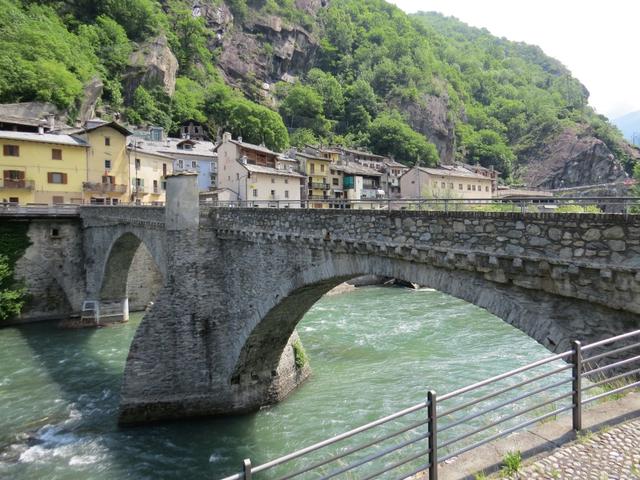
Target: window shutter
column 49, row 177
column 6, row 174
column 64, row 178
column 20, row 175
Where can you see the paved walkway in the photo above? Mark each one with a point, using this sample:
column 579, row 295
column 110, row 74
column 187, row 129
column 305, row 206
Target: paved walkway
column 611, row 454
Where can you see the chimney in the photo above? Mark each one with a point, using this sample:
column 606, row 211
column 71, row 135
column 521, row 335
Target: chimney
column 243, row 159
column 40, row 129
column 51, row 121
column 226, row 137
column 239, row 139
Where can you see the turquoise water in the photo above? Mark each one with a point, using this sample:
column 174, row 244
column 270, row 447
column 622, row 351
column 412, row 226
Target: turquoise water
column 372, row 351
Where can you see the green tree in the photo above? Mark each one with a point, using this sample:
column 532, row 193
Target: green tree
column 303, row 108
column 329, row 89
column 11, row 298
column 390, row 135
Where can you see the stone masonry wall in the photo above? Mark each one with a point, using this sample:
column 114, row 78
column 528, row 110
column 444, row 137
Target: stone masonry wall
column 144, row 281
column 593, row 257
column 52, row 269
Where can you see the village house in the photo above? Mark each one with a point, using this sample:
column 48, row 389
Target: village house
column 148, row 172
column 444, row 182
column 255, row 173
column 390, row 180
column 42, row 167
column 196, row 156
column 316, row 168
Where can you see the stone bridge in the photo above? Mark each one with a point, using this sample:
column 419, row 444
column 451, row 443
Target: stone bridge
column 220, row 337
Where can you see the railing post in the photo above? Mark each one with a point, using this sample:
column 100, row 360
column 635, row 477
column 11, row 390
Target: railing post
column 577, row 385
column 246, row 468
column 433, row 435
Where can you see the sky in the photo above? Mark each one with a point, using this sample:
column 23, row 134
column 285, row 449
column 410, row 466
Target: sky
column 596, row 39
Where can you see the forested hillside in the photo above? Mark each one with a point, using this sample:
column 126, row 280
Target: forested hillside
column 357, row 72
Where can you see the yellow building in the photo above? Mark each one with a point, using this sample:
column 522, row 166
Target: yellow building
column 148, row 171
column 317, row 169
column 41, row 168
column 107, row 178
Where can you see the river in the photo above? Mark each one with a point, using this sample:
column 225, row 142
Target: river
column 372, row 351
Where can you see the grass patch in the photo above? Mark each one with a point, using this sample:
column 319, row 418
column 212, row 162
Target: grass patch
column 512, row 463
column 299, row 354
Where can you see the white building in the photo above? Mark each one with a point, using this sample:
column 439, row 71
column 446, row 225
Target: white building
column 255, row 173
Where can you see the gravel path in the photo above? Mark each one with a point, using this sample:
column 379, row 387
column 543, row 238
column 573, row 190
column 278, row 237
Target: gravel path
column 611, row 454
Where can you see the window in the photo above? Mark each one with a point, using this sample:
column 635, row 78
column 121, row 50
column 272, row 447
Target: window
column 486, row 189
column 114, row 201
column 237, row 176
column 469, row 187
column 164, row 169
column 11, row 150
column 443, row 185
column 459, row 186
column 137, row 163
column 313, row 168
column 14, row 200
column 57, row 177
column 273, row 193
column 333, row 172
column 286, row 194
column 56, row 154
column 55, row 232
column 479, row 188
column 180, row 164
column 473, row 187
column 255, row 192
column 273, row 180
column 107, row 164
column 286, row 180
column 322, row 167
column 107, row 141
column 451, row 186
column 335, row 181
column 108, row 179
column 57, row 200
column 155, row 186
column 194, row 164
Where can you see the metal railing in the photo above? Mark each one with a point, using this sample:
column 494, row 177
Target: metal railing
column 13, row 184
column 99, row 187
column 420, row 437
column 624, row 205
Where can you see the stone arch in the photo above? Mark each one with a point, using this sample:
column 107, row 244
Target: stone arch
column 551, row 320
column 117, row 264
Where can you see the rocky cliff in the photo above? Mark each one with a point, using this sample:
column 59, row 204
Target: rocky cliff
column 573, row 158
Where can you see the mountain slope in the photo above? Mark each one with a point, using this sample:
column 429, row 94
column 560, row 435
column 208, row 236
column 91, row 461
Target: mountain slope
column 629, row 125
column 359, row 72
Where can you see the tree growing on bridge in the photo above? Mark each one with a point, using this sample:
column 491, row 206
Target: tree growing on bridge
column 11, row 298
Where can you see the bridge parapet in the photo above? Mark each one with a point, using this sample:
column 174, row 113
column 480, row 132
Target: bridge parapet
column 589, row 257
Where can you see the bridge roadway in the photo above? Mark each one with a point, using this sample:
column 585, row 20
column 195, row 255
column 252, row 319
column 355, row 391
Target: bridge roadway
column 219, row 338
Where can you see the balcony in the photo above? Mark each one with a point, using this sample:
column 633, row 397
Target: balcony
column 11, row 184
column 97, row 187
column 139, row 190
column 320, row 186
